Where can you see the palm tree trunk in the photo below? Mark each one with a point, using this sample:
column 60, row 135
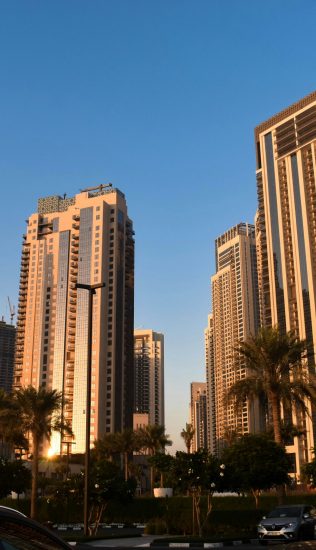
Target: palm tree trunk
column 152, row 480
column 276, row 418
column 34, row 478
column 126, row 465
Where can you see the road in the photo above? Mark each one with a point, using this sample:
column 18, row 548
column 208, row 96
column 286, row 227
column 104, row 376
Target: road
column 145, row 540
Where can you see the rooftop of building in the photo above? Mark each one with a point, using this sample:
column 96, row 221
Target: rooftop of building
column 56, row 203
column 285, row 113
column 239, row 229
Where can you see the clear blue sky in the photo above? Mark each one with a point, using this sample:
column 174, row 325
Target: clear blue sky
column 160, row 98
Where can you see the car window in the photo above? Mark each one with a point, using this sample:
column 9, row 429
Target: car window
column 285, row 512
column 19, row 536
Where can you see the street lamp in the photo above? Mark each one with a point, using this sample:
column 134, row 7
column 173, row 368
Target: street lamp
column 92, row 290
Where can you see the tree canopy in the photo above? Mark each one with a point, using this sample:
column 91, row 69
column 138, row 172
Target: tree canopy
column 276, row 372
column 255, row 462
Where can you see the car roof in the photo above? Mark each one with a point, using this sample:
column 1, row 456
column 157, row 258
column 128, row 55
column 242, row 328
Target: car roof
column 12, row 511
column 291, row 506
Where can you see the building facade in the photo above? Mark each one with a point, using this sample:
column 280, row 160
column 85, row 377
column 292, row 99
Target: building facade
column 210, row 384
column 149, row 375
column 84, row 239
column 198, row 414
column 7, row 350
column 286, row 235
column 235, row 316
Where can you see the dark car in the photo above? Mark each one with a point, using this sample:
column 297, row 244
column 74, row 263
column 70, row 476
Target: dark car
column 287, row 523
column 17, row 532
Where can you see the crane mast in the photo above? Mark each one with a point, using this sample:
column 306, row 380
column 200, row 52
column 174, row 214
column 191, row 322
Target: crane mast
column 12, row 311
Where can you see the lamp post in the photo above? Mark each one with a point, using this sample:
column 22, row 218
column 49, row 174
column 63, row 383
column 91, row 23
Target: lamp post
column 92, row 290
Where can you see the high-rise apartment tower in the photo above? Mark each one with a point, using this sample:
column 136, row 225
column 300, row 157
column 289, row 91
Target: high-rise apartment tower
column 210, row 383
column 149, row 375
column 198, row 414
column 7, row 349
column 286, row 234
column 235, row 316
column 84, row 239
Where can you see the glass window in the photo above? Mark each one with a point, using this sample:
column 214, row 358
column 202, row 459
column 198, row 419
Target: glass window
column 18, row 534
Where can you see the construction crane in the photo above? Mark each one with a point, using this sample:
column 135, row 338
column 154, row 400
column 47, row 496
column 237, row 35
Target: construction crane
column 12, row 311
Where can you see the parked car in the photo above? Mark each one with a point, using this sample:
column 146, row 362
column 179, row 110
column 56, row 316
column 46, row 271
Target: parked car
column 287, row 523
column 17, row 532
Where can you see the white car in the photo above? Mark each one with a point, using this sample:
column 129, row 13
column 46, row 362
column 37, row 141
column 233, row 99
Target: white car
column 287, row 523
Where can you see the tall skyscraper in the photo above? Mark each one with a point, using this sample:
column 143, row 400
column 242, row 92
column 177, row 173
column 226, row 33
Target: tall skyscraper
column 210, row 384
column 88, row 239
column 149, row 375
column 198, row 413
column 235, row 316
column 7, row 349
column 286, row 233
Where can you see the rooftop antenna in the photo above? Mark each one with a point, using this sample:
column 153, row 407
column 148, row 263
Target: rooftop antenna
column 12, row 311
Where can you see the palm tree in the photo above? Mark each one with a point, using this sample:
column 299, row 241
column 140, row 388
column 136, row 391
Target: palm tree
column 187, row 434
column 11, row 434
column 37, row 414
column 106, row 447
column 152, row 439
column 126, row 444
column 276, row 370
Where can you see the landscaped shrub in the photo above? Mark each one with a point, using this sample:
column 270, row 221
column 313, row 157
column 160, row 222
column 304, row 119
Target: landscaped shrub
column 156, row 526
column 229, row 514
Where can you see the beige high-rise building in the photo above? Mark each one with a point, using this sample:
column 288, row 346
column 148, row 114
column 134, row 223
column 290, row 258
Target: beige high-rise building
column 286, row 234
column 84, row 239
column 149, row 375
column 235, row 316
column 198, row 414
column 210, row 384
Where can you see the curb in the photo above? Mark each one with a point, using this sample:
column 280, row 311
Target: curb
column 220, row 544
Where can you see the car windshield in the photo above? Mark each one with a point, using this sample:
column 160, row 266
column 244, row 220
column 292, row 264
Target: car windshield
column 20, row 536
column 285, row 512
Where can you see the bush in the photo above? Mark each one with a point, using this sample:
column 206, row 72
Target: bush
column 156, row 526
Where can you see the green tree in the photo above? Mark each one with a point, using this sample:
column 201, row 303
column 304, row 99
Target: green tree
column 118, row 443
column 255, row 462
column 107, row 485
column 309, row 471
column 126, row 443
column 39, row 415
column 106, row 447
column 14, row 476
column 276, row 371
column 11, row 433
column 163, row 464
column 152, row 439
column 197, row 474
column 188, row 434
